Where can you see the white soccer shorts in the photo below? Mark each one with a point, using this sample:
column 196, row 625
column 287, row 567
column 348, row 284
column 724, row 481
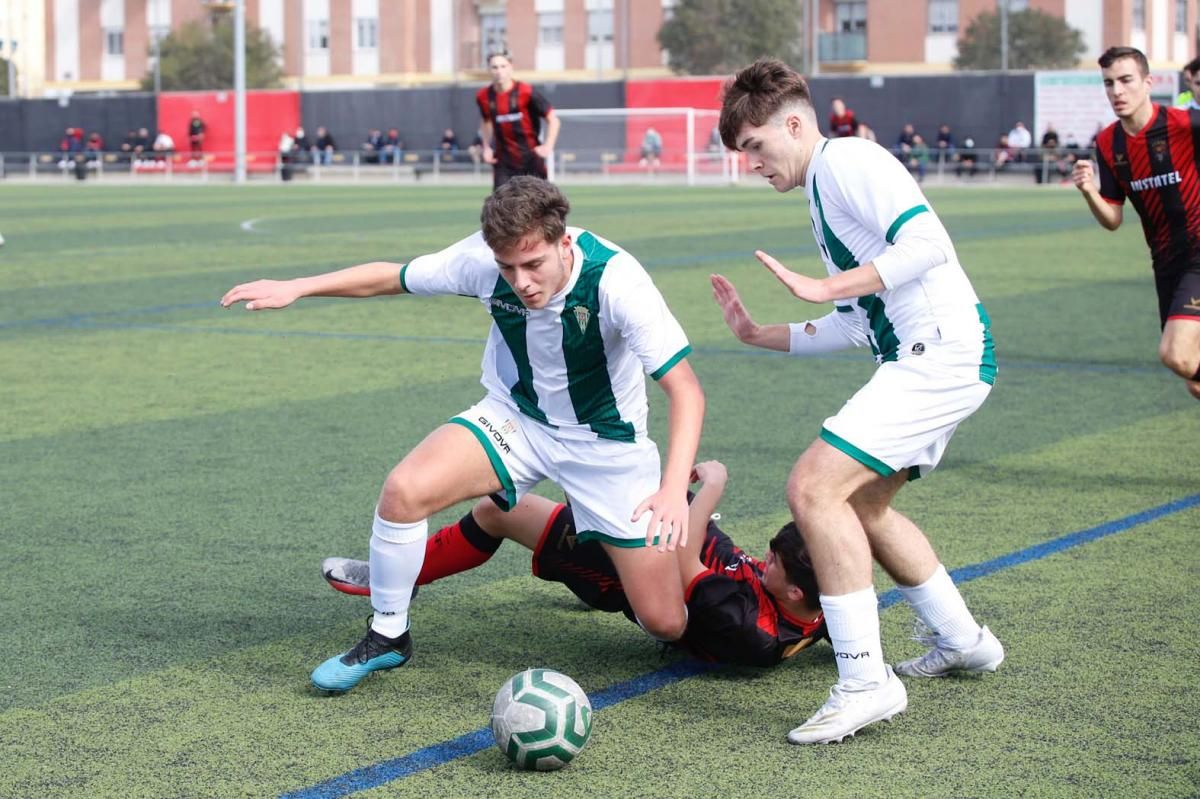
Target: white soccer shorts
column 604, row 480
column 904, row 416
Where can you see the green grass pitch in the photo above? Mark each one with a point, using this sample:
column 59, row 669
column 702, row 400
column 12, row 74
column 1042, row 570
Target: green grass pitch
column 172, row 473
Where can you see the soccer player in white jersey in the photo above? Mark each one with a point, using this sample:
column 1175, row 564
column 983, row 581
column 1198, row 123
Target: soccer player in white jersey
column 896, row 286
column 577, row 324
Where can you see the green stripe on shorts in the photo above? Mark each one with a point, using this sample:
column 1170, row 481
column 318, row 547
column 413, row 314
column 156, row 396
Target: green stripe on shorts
column 866, row 459
column 612, row 540
column 509, row 499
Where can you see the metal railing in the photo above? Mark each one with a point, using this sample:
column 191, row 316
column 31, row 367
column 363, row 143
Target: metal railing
column 599, row 165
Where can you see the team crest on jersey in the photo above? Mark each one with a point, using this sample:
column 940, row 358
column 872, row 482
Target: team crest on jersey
column 1118, row 159
column 582, row 317
column 1160, row 149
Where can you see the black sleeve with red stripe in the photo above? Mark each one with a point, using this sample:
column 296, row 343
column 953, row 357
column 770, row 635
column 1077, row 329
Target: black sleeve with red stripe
column 723, row 624
column 1110, row 187
column 539, row 106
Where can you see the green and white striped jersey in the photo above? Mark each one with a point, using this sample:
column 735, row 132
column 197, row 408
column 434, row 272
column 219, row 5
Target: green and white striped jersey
column 579, row 364
column 866, row 207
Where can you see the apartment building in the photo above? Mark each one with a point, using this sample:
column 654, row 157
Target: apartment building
column 78, row 45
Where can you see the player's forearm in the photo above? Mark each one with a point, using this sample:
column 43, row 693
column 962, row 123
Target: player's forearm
column 1107, row 214
column 851, row 284
column 685, row 412
column 364, row 280
column 769, row 337
column 553, row 123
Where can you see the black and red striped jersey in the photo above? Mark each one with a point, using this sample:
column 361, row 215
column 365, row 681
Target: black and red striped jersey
column 732, row 618
column 516, row 116
column 1158, row 171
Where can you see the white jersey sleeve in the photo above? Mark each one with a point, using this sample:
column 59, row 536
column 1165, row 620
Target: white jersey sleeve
column 467, row 268
column 633, row 305
column 835, row 331
column 878, row 191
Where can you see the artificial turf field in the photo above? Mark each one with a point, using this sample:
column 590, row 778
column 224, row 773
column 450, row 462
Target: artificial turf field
column 171, row 475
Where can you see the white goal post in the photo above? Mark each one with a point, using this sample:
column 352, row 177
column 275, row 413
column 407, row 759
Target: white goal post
column 620, row 142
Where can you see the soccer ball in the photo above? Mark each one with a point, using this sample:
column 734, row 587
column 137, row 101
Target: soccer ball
column 541, row 719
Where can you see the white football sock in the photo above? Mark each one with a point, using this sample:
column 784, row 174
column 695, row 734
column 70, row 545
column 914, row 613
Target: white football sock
column 940, row 606
column 397, row 553
column 853, row 624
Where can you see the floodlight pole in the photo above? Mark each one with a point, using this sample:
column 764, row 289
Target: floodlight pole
column 239, row 91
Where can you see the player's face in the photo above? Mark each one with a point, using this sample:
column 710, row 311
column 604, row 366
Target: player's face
column 775, row 578
column 1127, row 88
column 501, row 69
column 536, row 269
column 774, row 150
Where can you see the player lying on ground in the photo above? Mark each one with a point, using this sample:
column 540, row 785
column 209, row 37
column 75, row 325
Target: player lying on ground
column 577, row 326
column 740, row 610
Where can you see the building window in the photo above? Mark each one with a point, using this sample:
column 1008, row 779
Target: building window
column 851, row 16
column 600, row 26
column 493, row 26
column 1181, row 8
column 114, row 41
column 1017, row 6
column 943, row 16
column 366, row 33
column 159, row 32
column 1139, row 15
column 318, row 34
column 550, row 29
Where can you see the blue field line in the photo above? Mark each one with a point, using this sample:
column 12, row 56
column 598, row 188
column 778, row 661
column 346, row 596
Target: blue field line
column 474, row 742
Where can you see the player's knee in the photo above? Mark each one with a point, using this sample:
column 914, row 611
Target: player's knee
column 1180, row 361
column 402, row 502
column 805, row 496
column 665, row 624
column 487, row 514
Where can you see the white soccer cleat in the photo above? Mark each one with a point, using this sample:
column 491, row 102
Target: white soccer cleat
column 984, row 656
column 852, row 705
column 347, row 575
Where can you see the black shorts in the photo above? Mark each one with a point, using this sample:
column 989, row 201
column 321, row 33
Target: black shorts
column 503, row 172
column 1178, row 294
column 582, row 566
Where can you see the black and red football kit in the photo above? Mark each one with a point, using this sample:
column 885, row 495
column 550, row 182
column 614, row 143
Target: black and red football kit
column 516, row 116
column 732, row 618
column 1158, row 171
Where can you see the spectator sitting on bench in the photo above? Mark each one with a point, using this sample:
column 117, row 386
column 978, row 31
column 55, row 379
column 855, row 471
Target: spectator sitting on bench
column 324, row 146
column 164, row 147
column 372, row 147
column 392, row 149
column 966, row 159
column 449, row 145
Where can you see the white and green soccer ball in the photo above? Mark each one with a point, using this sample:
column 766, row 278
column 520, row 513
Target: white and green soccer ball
column 541, row 719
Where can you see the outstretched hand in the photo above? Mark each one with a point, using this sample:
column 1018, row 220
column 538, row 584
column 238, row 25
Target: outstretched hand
column 668, row 519
column 262, row 294
column 736, row 316
column 802, row 287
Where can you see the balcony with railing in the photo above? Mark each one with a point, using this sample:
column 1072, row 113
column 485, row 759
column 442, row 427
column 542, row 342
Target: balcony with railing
column 835, row 47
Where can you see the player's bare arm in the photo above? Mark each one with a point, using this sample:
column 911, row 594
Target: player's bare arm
column 849, row 284
column 486, row 131
column 546, row 148
column 669, row 506
column 1107, row 214
column 364, row 280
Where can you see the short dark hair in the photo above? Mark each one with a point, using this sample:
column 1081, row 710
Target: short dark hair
column 500, row 51
column 1192, row 67
column 523, row 205
column 1114, row 54
column 788, row 546
column 752, row 96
